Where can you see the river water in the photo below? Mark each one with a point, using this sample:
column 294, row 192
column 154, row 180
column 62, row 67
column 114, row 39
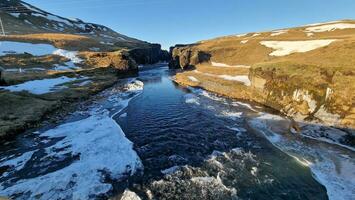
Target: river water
column 172, row 143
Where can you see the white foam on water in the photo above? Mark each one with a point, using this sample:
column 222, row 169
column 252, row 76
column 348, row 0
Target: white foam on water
column 191, row 99
column 231, row 114
column 170, row 170
column 129, row 195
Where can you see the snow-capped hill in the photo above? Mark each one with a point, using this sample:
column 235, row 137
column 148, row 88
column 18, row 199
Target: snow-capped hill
column 20, row 17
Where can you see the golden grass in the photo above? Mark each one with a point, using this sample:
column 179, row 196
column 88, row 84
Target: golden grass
column 45, row 36
column 317, row 71
column 67, row 41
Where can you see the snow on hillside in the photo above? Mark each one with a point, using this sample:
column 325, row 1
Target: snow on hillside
column 330, row 27
column 322, row 23
column 278, row 32
column 241, row 78
column 22, row 47
column 216, row 64
column 283, row 48
column 71, row 55
column 8, row 48
column 193, row 79
column 42, row 86
column 27, row 17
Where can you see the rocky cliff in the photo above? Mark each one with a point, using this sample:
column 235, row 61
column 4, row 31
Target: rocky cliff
column 149, row 55
column 305, row 72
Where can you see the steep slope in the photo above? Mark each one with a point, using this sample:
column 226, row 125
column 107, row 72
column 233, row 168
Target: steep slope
column 305, row 72
column 22, row 18
column 33, row 24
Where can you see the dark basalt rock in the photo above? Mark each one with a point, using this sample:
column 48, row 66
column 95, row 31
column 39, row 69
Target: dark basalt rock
column 149, row 55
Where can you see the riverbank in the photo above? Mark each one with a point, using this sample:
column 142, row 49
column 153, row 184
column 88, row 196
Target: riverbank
column 80, row 156
column 41, row 80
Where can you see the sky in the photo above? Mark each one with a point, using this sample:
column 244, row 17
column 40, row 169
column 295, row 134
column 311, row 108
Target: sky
column 170, row 22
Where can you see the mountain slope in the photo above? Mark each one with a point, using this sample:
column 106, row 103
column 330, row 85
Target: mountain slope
column 305, row 72
column 22, row 18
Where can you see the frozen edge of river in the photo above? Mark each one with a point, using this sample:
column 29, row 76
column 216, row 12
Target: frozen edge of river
column 330, row 167
column 100, row 144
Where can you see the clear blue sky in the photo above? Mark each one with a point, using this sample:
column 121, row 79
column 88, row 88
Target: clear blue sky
column 169, row 22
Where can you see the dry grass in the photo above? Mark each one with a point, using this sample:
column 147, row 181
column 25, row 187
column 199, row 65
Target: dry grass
column 316, row 71
column 21, row 110
column 29, row 61
column 45, row 36
column 66, row 41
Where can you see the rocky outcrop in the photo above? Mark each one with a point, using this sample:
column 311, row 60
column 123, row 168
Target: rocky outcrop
column 120, row 61
column 149, row 55
column 185, row 56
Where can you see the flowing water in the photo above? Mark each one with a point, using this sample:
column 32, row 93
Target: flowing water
column 186, row 144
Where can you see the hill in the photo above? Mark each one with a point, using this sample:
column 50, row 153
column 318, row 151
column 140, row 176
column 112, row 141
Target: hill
column 304, row 72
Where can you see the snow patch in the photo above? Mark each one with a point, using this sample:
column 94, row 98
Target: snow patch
column 329, row 166
column 193, row 79
column 128, row 195
column 170, row 170
column 101, row 146
column 241, row 35
column 304, row 95
column 278, row 32
column 18, row 162
column 330, row 27
column 255, row 34
column 42, row 86
column 283, row 48
column 7, row 47
column 216, row 64
column 242, row 78
column 317, row 24
column 71, row 55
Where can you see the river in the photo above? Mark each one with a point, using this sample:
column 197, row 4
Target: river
column 172, row 143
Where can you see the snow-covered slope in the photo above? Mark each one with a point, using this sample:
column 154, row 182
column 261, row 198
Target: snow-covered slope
column 20, row 17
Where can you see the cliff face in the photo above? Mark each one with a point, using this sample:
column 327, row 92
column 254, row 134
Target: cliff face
column 186, row 56
column 306, row 72
column 149, row 55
